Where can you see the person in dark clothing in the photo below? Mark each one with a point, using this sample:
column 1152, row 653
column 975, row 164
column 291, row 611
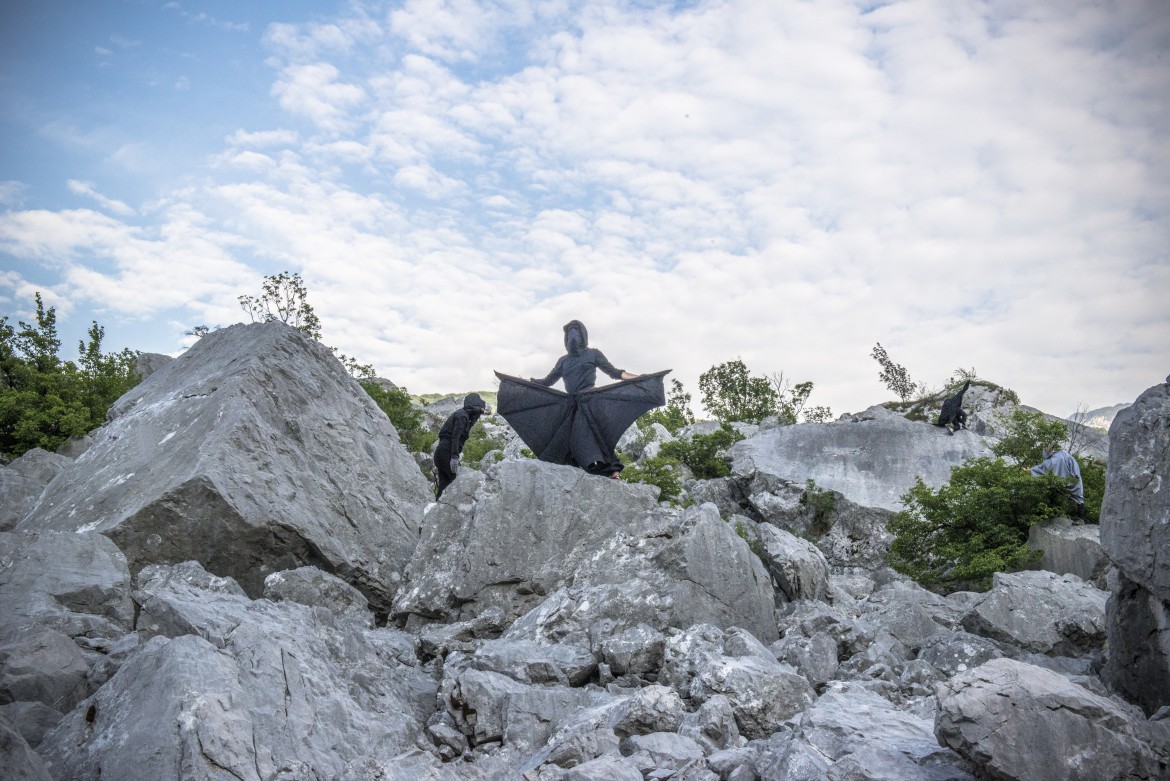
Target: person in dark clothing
column 578, row 369
column 952, row 414
column 453, row 436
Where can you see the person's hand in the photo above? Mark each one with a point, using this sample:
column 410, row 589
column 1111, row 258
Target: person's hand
column 454, row 464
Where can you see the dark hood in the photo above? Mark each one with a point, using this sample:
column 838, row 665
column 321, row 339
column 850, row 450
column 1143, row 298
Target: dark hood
column 473, row 402
column 576, row 336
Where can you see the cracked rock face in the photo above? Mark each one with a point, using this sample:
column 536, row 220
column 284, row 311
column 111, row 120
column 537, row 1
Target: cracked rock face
column 512, row 540
column 203, row 593
column 1135, row 532
column 253, row 452
column 1017, row 721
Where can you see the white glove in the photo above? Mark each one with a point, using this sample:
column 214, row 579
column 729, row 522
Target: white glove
column 454, row 464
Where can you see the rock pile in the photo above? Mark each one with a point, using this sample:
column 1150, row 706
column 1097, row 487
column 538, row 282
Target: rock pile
column 242, row 579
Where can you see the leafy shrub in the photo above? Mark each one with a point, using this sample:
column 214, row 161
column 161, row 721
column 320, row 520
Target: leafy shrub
column 1025, row 435
column 479, row 444
column 1093, row 478
column 753, row 540
column 43, row 400
column 703, row 453
column 656, row 470
column 283, row 297
column 730, row 393
column 407, row 419
column 822, row 502
column 973, row 526
column 894, row 375
column 675, row 415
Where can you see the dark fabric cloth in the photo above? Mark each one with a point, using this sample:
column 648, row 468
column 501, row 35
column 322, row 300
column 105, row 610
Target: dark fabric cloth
column 580, row 428
column 443, row 470
column 453, row 436
column 952, row 408
column 579, row 371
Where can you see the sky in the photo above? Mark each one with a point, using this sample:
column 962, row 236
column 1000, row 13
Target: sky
column 973, row 185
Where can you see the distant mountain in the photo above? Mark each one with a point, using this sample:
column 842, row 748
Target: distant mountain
column 1100, row 418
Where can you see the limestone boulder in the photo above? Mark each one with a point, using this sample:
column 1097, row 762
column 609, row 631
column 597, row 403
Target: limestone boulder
column 1072, row 549
column 1013, row 720
column 23, row 480
column 76, row 584
column 858, row 734
column 797, row 566
column 1135, row 532
column 1041, row 612
column 871, row 462
column 704, row 661
column 525, row 533
column 19, row 761
column 253, row 452
column 262, row 689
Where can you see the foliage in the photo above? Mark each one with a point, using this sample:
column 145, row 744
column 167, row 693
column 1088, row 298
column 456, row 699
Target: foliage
column 656, row 470
column 753, row 540
column 823, row 503
column 283, row 297
column 44, row 400
column 675, row 415
column 973, row 526
column 409, row 421
column 1093, row 478
column 791, row 401
column 1025, row 436
column 479, row 444
column 894, row 375
column 730, row 393
column 703, row 453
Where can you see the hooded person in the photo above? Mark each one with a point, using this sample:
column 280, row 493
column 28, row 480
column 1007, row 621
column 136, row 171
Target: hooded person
column 952, row 411
column 453, row 436
column 581, row 426
column 1060, row 463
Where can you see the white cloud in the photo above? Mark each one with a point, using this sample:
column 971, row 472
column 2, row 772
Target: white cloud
column 109, row 204
column 313, row 91
column 787, row 183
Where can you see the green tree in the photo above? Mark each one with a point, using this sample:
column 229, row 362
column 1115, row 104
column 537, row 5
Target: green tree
column 658, row 470
column 44, row 400
column 407, row 419
column 283, row 297
column 1025, row 436
column 479, row 444
column 894, row 375
column 730, row 393
column 703, row 453
column 675, row 415
column 973, row 526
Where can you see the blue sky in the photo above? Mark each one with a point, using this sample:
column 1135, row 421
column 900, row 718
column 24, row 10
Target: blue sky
column 979, row 185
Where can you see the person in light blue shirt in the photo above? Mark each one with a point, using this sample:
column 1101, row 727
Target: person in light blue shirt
column 1060, row 463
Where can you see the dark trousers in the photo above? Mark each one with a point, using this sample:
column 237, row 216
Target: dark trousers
column 443, row 467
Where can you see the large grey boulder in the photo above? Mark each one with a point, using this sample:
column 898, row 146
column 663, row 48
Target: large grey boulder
column 1071, row 549
column 871, row 462
column 1041, row 612
column 20, row 762
column 258, row 688
column 76, row 584
column 519, row 536
column 23, row 480
column 859, row 734
column 1016, row 721
column 1135, row 532
column 797, row 566
column 253, row 452
column 704, row 662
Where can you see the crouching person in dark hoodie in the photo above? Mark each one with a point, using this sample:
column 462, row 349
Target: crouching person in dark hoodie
column 453, row 436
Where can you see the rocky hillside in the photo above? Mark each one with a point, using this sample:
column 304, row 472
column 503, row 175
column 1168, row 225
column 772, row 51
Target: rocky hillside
column 244, row 577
